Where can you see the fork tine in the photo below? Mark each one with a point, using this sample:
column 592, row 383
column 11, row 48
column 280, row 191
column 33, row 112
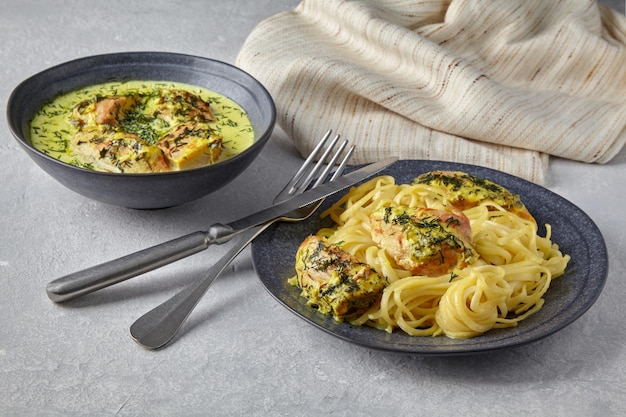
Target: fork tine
column 344, row 163
column 307, row 162
column 303, row 186
column 330, row 165
column 297, row 185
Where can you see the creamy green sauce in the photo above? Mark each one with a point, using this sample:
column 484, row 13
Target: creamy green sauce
column 51, row 131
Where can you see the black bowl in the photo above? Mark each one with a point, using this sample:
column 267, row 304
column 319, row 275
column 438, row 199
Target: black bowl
column 152, row 190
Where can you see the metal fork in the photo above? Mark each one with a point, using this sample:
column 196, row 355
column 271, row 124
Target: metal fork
column 157, row 327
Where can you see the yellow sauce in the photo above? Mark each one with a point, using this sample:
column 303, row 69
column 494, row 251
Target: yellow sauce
column 52, row 130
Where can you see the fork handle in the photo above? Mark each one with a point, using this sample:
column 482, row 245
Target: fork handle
column 100, row 276
column 158, row 326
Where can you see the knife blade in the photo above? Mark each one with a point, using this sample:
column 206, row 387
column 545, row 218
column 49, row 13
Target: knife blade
column 103, row 275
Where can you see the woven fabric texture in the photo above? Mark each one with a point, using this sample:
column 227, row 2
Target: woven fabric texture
column 502, row 84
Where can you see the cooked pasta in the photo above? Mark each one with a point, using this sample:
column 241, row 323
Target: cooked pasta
column 504, row 284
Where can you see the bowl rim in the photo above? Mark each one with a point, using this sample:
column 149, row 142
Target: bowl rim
column 259, row 141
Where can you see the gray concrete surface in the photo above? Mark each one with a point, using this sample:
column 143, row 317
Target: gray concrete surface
column 241, row 353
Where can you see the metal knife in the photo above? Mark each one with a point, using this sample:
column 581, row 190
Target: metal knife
column 103, row 275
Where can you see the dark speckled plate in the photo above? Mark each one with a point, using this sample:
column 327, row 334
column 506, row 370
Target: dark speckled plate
column 567, row 299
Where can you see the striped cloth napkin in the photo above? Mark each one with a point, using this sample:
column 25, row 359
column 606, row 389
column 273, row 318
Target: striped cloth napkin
column 502, row 84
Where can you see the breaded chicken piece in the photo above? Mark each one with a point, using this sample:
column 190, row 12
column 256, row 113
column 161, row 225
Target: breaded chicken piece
column 334, row 281
column 176, row 106
column 118, row 152
column 103, row 111
column 466, row 191
column 424, row 241
column 191, row 146
column 111, row 110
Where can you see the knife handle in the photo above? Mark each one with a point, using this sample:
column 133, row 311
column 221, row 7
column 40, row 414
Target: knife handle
column 100, row 276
